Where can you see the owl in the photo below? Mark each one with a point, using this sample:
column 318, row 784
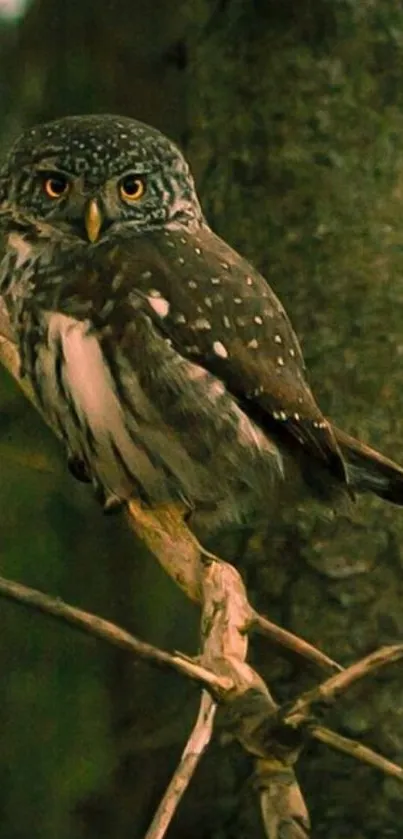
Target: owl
column 163, row 359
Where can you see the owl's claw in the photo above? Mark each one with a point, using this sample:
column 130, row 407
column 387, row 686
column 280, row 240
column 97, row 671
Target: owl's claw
column 78, row 469
column 110, row 502
column 113, row 504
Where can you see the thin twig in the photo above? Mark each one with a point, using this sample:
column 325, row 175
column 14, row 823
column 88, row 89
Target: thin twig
column 194, row 749
column 357, row 750
column 107, row 631
column 329, row 690
column 221, row 685
column 292, row 642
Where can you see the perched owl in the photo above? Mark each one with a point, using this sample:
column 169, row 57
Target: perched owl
column 165, row 361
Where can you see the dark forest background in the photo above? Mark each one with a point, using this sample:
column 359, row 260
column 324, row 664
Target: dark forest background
column 292, row 116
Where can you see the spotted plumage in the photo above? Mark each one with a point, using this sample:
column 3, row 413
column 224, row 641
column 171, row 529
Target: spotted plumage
column 163, row 358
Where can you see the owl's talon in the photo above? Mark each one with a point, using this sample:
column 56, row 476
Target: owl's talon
column 112, row 505
column 110, row 502
column 78, row 469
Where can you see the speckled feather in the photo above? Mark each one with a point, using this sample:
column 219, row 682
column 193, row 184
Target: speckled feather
column 219, row 313
column 164, row 359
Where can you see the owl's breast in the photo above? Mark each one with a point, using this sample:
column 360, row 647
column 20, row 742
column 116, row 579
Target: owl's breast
column 145, row 421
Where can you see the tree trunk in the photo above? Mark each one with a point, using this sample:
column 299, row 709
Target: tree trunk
column 296, row 124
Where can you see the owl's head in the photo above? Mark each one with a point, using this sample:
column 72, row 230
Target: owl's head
column 84, row 174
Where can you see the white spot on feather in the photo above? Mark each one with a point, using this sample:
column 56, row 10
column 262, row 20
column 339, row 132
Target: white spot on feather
column 220, row 350
column 160, row 305
column 202, row 323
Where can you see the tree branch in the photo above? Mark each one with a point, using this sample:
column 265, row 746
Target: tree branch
column 193, row 751
column 356, row 750
column 328, row 691
column 292, row 642
column 107, row 631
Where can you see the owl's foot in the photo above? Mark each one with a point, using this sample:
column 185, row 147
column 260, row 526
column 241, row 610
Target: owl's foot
column 78, row 469
column 113, row 504
column 110, row 502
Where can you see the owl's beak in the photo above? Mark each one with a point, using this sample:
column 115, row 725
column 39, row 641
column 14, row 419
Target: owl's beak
column 93, row 219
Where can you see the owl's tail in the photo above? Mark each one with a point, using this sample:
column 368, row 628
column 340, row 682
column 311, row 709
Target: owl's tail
column 370, row 471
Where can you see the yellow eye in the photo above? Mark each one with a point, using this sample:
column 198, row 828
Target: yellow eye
column 55, row 186
column 132, row 188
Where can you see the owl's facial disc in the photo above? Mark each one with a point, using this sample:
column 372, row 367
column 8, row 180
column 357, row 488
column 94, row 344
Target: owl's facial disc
column 80, row 206
column 89, row 175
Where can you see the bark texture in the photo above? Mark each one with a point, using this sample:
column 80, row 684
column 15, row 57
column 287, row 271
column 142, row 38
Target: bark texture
column 296, row 115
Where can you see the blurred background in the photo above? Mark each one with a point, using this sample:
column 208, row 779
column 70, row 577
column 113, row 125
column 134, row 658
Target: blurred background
column 292, row 116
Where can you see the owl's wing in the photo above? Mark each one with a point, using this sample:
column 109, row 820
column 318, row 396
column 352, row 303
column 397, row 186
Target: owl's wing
column 218, row 312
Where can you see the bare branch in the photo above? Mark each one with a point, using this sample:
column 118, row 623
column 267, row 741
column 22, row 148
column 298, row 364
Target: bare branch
column 292, row 642
column 194, row 749
column 282, row 807
column 107, row 631
column 357, row 750
column 225, row 621
column 220, row 685
column 329, row 690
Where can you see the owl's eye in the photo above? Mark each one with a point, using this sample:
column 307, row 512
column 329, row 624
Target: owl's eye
column 55, row 185
column 132, row 188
